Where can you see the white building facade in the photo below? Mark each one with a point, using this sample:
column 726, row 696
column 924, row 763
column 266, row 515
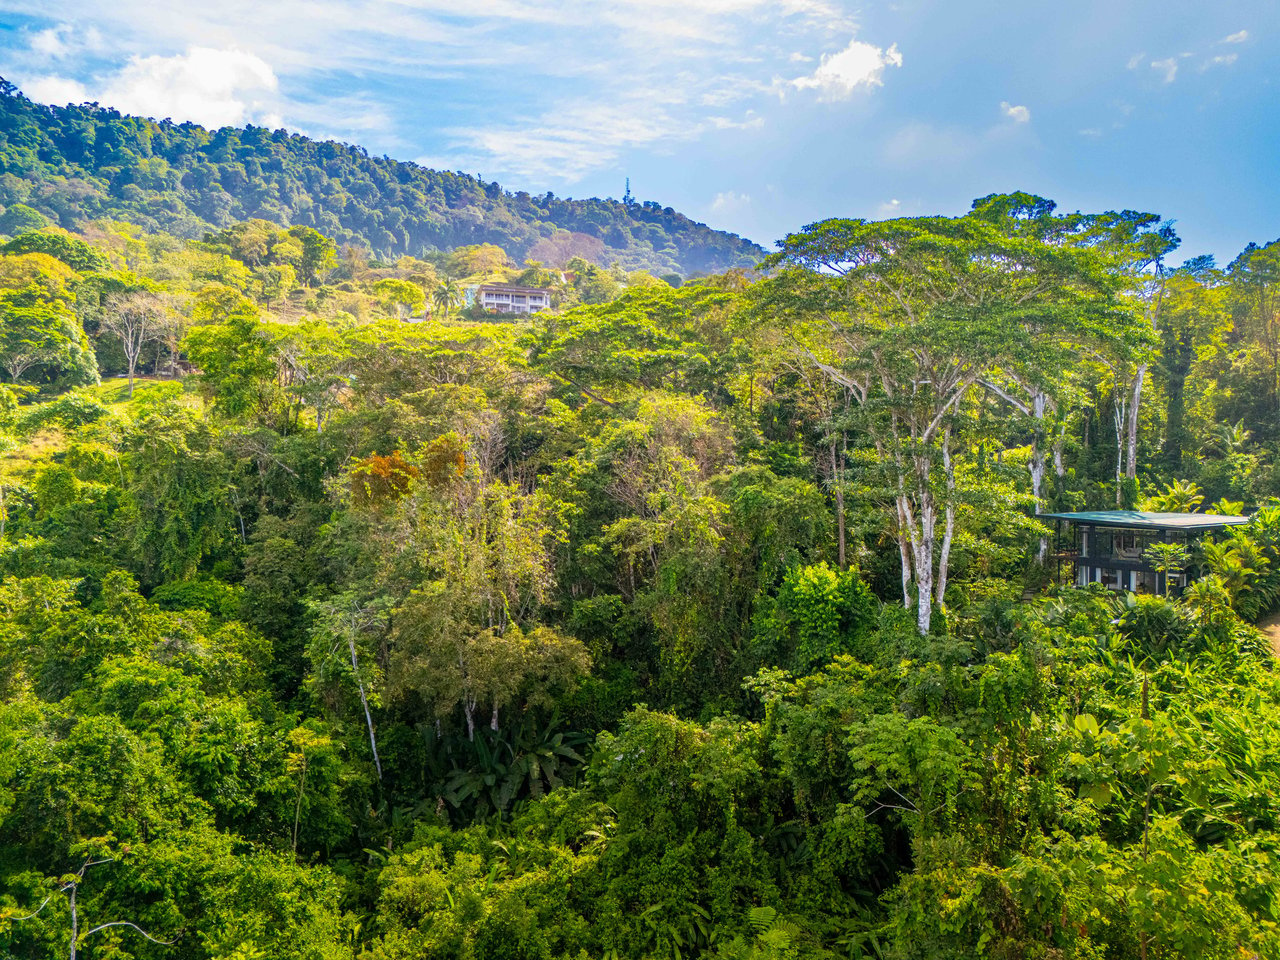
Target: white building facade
column 505, row 298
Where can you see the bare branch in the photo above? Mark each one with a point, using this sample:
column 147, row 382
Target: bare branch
column 126, row 923
column 38, row 909
column 995, row 388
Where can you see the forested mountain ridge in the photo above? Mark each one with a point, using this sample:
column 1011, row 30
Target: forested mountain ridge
column 77, row 163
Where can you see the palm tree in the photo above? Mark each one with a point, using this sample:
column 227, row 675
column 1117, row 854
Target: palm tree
column 1227, row 508
column 1226, row 439
column 1241, row 567
column 1181, row 496
column 446, row 295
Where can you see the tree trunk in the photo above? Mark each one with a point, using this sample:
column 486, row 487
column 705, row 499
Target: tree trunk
column 297, row 811
column 1059, row 439
column 364, row 702
column 904, row 549
column 944, row 554
column 1131, row 438
column 1120, row 422
column 922, row 542
column 924, row 583
column 75, row 923
column 1037, row 464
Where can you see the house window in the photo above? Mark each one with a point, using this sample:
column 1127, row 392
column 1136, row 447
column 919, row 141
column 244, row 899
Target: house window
column 1102, row 544
column 1127, row 545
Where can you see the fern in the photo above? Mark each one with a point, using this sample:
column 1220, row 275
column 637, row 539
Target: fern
column 762, row 919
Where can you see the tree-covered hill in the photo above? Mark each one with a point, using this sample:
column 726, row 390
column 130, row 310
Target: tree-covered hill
column 85, row 162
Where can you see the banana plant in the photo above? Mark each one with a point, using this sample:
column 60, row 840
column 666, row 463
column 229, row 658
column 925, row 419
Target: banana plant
column 524, row 760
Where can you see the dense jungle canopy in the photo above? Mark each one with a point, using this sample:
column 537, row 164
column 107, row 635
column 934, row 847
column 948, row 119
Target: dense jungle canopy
column 688, row 619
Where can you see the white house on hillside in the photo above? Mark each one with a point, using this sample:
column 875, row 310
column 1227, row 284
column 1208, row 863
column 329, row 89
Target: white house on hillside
column 505, row 298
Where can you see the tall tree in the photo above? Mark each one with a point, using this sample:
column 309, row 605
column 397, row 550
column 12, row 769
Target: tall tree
column 30, row 334
column 342, row 626
column 137, row 319
column 319, row 254
column 909, row 315
column 1038, row 382
column 1137, row 244
column 400, row 297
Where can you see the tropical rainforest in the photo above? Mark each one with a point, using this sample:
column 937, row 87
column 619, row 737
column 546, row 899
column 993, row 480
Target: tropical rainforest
column 691, row 618
column 79, row 163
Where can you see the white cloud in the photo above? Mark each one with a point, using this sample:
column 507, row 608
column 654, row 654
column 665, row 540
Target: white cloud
column 857, row 65
column 1168, row 68
column 566, row 142
column 349, row 118
column 1091, row 132
column 572, row 139
column 1015, row 112
column 889, row 209
column 1225, row 60
column 417, row 37
column 1136, row 61
column 730, row 202
column 668, row 70
column 212, row 87
column 752, row 121
column 63, row 40
column 56, row 90
column 51, row 42
column 1239, row 36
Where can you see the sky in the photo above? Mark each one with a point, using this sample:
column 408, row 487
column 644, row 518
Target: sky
column 754, row 116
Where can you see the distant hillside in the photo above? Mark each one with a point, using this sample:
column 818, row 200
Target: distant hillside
column 84, row 162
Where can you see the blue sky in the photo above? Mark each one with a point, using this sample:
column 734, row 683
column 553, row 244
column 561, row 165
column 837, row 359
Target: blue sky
column 756, row 116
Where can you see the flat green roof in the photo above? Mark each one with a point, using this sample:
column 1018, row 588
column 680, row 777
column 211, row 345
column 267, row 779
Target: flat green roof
column 1148, row 520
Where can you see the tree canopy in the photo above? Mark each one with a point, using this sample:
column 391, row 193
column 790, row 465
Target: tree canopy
column 340, row 619
column 77, row 163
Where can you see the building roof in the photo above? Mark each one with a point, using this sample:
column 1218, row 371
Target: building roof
column 1147, row 520
column 510, row 288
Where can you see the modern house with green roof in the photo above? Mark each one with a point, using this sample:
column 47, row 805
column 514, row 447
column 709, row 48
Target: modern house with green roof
column 1109, row 546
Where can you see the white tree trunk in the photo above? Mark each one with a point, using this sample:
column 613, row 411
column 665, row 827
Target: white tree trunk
column 75, row 918
column 364, row 702
column 922, row 544
column 944, row 555
column 1131, row 436
column 904, row 548
column 924, row 582
column 906, row 531
column 1120, row 422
